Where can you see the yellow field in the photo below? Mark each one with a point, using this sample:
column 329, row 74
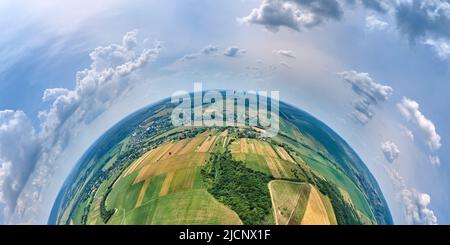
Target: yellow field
column 284, row 155
column 300, row 203
column 138, row 162
column 273, row 167
column 171, row 164
column 193, row 144
column 142, row 193
column 315, row 213
column 261, row 156
column 166, row 184
column 174, row 149
column 244, row 146
column 206, row 145
column 224, row 133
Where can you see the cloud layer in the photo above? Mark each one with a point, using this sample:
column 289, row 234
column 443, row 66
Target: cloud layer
column 19, row 151
column 370, row 94
column 27, row 157
column 424, row 20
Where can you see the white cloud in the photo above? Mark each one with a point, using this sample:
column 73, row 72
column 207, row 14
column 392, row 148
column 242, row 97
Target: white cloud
column 97, row 88
column 233, row 52
column 440, row 47
column 390, row 151
column 375, row 24
column 409, row 109
column 53, row 93
column 286, row 53
column 293, row 14
column 415, row 204
column 369, row 91
column 407, row 132
column 189, row 57
column 416, row 208
column 435, row 160
column 208, row 50
column 19, row 150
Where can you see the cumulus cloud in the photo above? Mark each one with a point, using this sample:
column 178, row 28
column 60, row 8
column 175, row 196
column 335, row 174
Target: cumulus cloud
column 370, row 93
column 390, row 151
column 286, row 53
column 409, row 109
column 375, row 24
column 96, row 89
column 416, row 208
column 19, row 150
column 415, row 204
column 233, row 52
column 293, row 14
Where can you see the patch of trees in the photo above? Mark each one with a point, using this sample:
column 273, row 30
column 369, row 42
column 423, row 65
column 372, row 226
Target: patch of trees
column 242, row 189
column 105, row 213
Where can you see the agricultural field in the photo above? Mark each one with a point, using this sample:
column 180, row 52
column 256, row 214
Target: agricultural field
column 300, row 203
column 164, row 186
column 145, row 171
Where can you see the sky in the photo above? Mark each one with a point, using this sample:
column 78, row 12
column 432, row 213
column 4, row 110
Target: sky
column 376, row 71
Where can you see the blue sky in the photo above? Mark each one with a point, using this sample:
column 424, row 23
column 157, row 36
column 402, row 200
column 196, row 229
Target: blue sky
column 348, row 63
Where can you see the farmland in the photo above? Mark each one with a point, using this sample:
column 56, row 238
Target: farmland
column 148, row 172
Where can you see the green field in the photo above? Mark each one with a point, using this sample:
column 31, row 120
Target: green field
column 332, row 174
column 152, row 173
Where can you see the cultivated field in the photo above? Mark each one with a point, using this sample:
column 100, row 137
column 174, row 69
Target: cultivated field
column 300, row 203
column 264, row 157
column 164, row 186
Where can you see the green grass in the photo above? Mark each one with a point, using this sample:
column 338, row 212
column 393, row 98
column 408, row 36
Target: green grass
column 182, row 180
column 191, row 207
column 256, row 162
column 124, row 194
column 187, row 207
column 154, row 188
